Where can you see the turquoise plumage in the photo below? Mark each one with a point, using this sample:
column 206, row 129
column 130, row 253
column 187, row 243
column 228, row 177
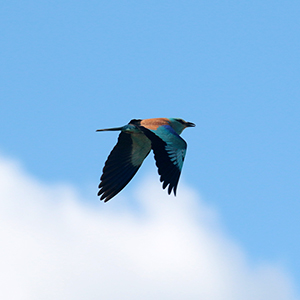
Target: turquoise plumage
column 135, row 141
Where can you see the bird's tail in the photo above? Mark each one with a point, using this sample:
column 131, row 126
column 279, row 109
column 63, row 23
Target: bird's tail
column 111, row 129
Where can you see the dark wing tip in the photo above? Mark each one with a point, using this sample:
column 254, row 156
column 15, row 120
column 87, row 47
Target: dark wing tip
column 113, row 181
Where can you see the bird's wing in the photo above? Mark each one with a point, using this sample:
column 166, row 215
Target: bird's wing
column 122, row 163
column 169, row 152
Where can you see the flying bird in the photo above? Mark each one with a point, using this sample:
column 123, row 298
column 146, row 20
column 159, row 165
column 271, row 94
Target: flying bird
column 135, row 141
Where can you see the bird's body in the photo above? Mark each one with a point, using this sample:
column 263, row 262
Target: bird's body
column 135, row 141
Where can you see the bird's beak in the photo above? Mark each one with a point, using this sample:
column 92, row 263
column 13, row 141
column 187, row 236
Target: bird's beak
column 189, row 124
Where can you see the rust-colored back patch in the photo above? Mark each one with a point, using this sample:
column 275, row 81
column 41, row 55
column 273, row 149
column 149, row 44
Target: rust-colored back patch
column 154, row 123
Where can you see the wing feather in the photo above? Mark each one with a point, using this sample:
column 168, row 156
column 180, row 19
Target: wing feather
column 169, row 152
column 122, row 163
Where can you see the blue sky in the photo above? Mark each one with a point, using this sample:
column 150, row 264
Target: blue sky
column 70, row 67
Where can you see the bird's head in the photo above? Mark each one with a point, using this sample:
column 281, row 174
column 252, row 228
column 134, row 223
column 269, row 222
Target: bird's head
column 178, row 124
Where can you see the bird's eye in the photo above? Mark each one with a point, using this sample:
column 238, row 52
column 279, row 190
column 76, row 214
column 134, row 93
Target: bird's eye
column 180, row 121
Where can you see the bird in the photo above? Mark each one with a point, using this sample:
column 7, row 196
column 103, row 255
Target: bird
column 135, row 142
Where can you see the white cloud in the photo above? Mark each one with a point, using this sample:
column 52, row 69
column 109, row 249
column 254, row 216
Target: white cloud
column 53, row 246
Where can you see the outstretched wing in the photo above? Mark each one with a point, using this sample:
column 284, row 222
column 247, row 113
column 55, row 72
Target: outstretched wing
column 122, row 163
column 169, row 152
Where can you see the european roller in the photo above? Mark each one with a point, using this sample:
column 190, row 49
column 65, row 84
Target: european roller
column 135, row 141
